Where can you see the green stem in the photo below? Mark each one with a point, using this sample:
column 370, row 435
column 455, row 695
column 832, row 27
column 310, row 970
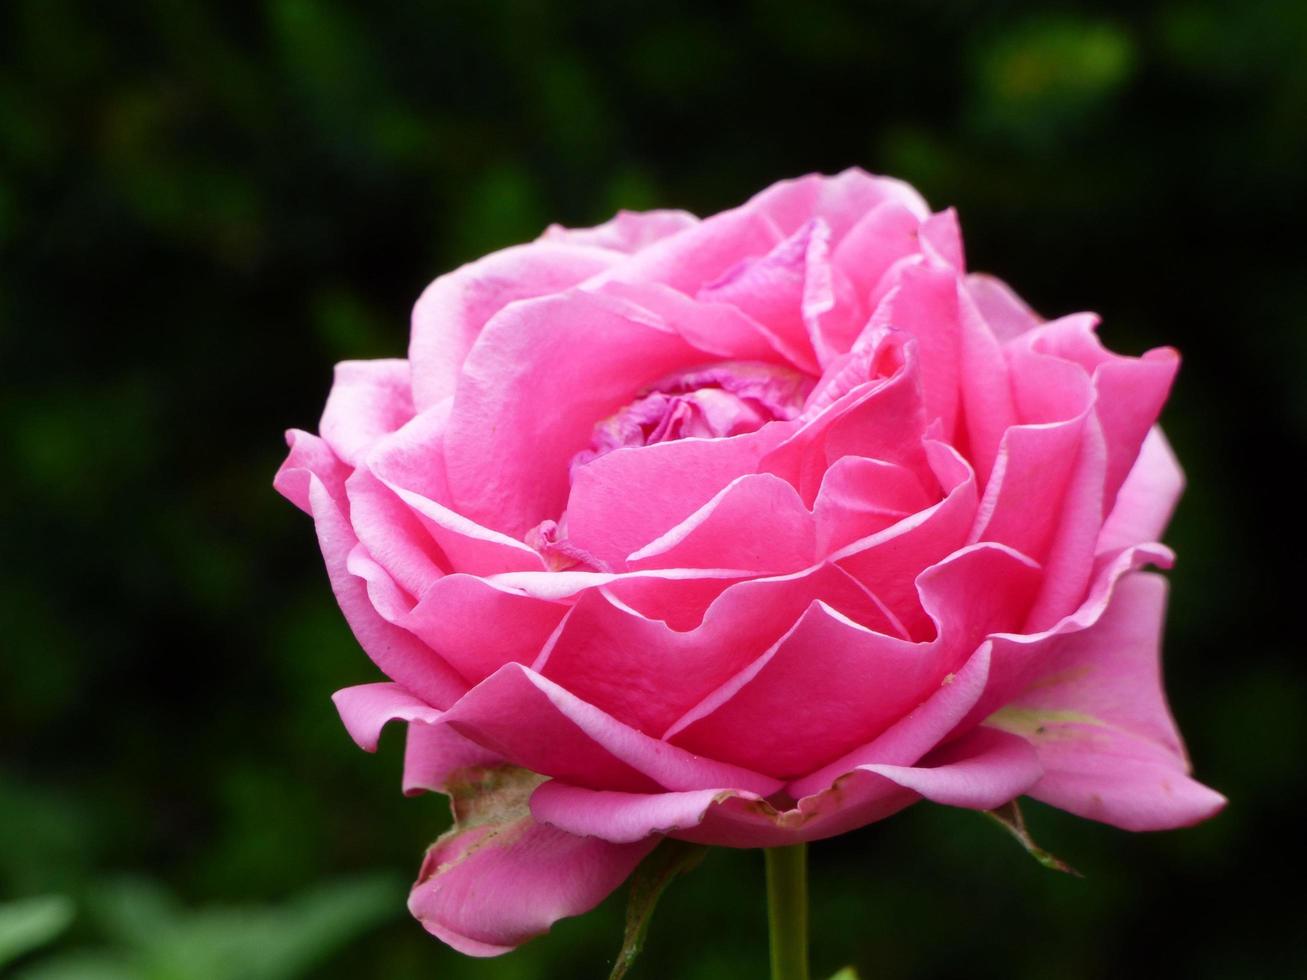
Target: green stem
column 787, row 911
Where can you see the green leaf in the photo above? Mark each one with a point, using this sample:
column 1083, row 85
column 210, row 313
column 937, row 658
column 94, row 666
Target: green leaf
column 1010, row 819
column 848, row 973
column 668, row 860
column 31, row 922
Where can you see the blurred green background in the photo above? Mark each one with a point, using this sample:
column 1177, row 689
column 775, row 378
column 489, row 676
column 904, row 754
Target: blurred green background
column 204, row 205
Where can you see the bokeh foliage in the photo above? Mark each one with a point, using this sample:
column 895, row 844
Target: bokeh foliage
column 204, row 205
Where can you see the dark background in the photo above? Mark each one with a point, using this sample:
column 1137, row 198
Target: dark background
column 203, row 206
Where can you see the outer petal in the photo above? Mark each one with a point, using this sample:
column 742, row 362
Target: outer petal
column 829, row 684
column 536, row 724
column 433, row 752
column 1147, row 498
column 627, row 231
column 410, row 463
column 925, row 305
column 982, row 771
column 699, row 254
column 477, row 627
column 1099, row 721
column 1006, row 313
column 399, row 654
column 499, row 878
column 451, row 312
column 839, row 200
column 368, row 400
column 367, row 708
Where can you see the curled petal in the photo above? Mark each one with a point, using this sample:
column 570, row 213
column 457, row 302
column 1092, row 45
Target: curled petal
column 452, row 311
column 368, row 400
column 309, row 474
column 980, row 771
column 1098, row 719
column 536, row 724
column 499, row 878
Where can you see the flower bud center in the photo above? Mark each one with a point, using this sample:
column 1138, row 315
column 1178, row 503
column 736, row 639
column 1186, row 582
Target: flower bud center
column 727, row 399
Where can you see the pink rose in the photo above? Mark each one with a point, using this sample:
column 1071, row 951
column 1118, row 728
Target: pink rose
column 746, row 531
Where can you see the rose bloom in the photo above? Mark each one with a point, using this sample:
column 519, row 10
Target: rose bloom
column 746, row 531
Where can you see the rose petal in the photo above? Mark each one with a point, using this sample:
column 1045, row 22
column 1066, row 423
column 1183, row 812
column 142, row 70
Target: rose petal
column 627, row 231
column 509, row 437
column 477, row 627
column 1006, row 313
column 840, row 200
column 499, row 878
column 757, row 523
column 399, row 654
column 452, row 310
column 410, row 463
column 648, row 673
column 629, row 497
column 888, row 562
column 367, row 708
column 536, row 724
column 368, row 400
column 1146, row 499
column 1099, row 721
column 857, row 681
column 981, row 771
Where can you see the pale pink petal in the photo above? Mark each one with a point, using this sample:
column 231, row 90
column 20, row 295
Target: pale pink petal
column 452, row 311
column 839, row 200
column 1006, row 313
column 629, row 497
column 986, row 390
column 860, row 497
column 1020, row 660
column 1130, row 390
column 757, row 523
column 980, row 771
column 477, row 627
column 941, row 235
column 436, row 758
column 879, row 416
column 888, row 562
column 1147, row 497
column 540, row 375
column 308, row 456
column 716, row 328
column 882, row 237
column 627, row 231
column 924, row 304
column 392, row 534
column 410, row 463
column 368, row 400
column 1099, row 721
column 536, row 724
column 699, row 254
column 399, row 654
column 488, row 888
column 647, row 672
column 859, row 682
column 367, row 708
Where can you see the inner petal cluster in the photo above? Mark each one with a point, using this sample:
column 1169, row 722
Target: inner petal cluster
column 726, row 399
